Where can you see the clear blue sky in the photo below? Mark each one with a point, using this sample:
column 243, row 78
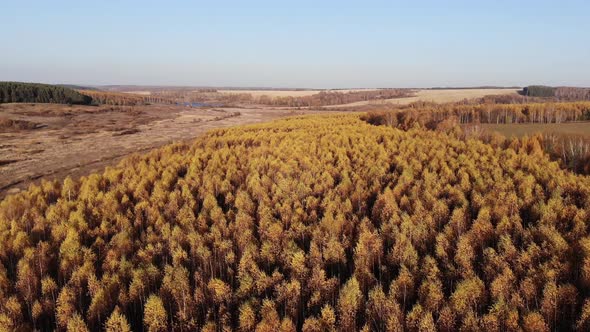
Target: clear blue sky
column 297, row 43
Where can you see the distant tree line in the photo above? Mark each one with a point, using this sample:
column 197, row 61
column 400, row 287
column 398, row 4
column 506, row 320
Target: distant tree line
column 505, row 99
column 77, row 87
column 559, row 93
column 201, row 95
column 322, row 98
column 17, row 92
column 490, row 87
column 125, row 99
column 431, row 114
column 326, row 98
column 539, row 91
column 569, row 93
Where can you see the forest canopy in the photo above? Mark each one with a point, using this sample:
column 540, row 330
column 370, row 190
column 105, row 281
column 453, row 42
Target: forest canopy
column 572, row 150
column 17, row 92
column 316, row 223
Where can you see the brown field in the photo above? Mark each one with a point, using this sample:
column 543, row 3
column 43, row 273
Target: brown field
column 49, row 141
column 437, row 96
column 520, row 130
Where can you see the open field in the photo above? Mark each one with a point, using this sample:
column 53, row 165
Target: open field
column 520, row 130
column 143, row 93
column 437, row 96
column 52, row 141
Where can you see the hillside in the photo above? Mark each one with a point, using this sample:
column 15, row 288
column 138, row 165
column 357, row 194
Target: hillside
column 17, row 92
column 313, row 223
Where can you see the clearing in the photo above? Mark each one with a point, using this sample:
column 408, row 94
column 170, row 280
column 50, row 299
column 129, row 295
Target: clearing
column 52, row 141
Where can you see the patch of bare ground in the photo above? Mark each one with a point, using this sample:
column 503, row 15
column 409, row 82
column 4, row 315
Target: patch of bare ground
column 78, row 140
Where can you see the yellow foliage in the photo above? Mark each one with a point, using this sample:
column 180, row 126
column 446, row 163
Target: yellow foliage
column 318, row 223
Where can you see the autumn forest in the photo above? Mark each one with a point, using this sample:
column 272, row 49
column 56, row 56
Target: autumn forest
column 295, row 166
column 312, row 223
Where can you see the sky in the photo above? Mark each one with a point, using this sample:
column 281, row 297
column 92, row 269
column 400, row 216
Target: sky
column 306, row 44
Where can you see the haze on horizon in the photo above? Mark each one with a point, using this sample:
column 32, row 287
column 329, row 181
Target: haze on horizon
column 332, row 44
